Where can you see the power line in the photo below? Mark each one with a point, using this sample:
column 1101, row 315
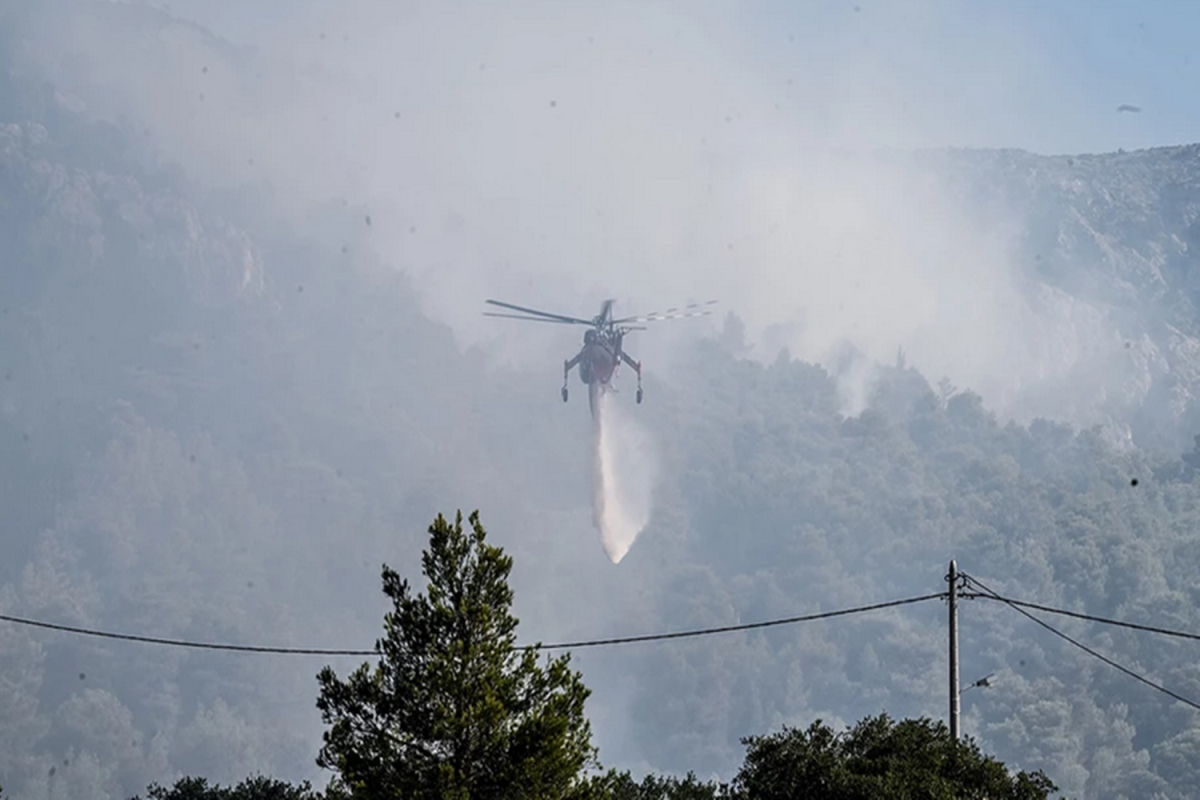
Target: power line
column 653, row 637
column 1092, row 618
column 991, row 595
column 987, row 593
column 240, row 648
column 658, row 637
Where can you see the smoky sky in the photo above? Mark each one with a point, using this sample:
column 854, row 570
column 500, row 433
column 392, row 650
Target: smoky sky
column 653, row 153
column 551, row 156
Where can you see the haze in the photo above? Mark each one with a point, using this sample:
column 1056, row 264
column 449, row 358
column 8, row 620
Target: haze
column 656, row 153
column 224, row 428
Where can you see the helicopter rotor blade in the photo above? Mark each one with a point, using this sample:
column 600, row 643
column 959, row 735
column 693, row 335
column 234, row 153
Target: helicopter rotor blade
column 537, row 319
column 679, row 312
column 546, row 314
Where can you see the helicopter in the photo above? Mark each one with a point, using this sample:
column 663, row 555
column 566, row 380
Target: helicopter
column 603, row 350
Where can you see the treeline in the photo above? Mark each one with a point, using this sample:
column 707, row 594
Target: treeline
column 785, row 504
column 215, row 427
column 452, row 708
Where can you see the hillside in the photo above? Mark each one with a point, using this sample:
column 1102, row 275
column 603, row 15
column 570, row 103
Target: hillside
column 215, row 425
column 1106, row 246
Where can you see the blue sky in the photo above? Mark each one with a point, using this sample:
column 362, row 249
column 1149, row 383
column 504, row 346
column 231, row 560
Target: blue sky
column 1043, row 76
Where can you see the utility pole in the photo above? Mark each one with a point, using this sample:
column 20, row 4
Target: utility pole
column 954, row 695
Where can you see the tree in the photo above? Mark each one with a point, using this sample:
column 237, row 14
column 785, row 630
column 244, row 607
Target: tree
column 256, row 788
column 621, row 786
column 879, row 758
column 453, row 709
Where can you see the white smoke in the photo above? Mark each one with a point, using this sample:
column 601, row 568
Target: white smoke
column 653, row 152
column 624, row 469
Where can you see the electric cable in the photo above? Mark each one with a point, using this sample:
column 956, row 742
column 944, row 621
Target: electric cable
column 310, row 651
column 1092, row 618
column 991, row 595
column 129, row 637
column 658, row 637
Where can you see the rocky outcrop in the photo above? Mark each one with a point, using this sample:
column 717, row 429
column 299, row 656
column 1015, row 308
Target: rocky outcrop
column 1108, row 251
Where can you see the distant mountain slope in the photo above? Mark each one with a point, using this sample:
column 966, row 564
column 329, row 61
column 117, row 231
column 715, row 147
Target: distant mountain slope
column 214, row 427
column 1109, row 245
column 781, row 506
column 1119, row 228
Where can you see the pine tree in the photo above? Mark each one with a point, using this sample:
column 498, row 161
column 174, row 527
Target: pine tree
column 453, row 709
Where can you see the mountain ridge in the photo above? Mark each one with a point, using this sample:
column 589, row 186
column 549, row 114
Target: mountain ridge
column 190, row 454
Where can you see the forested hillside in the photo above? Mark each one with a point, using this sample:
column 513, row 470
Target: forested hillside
column 791, row 508
column 216, row 425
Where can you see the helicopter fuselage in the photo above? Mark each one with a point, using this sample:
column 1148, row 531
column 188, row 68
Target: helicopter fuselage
column 599, row 358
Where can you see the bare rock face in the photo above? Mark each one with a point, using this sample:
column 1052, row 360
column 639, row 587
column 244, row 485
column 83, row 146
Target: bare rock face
column 1108, row 247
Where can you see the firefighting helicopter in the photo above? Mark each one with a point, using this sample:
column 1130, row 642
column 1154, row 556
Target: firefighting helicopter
column 602, row 351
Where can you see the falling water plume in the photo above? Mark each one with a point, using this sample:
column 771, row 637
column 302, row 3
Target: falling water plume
column 622, row 478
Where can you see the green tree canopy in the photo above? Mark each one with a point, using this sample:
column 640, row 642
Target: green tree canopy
column 622, row 786
column 878, row 758
column 256, row 788
column 453, row 709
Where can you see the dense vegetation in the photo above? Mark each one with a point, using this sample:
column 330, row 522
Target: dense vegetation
column 214, row 426
column 454, row 709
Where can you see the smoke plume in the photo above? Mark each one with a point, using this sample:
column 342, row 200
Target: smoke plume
column 623, row 471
